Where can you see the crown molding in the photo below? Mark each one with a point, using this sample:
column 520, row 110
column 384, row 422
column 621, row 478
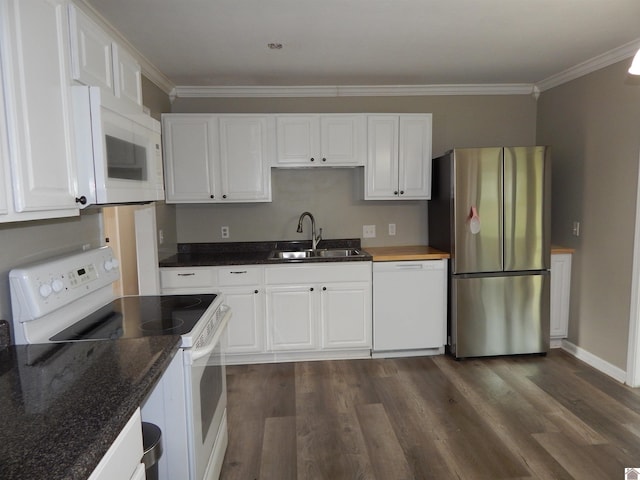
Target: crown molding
column 596, row 63
column 352, row 91
column 149, row 70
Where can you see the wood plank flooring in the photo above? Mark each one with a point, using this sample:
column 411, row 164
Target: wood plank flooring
column 527, row 417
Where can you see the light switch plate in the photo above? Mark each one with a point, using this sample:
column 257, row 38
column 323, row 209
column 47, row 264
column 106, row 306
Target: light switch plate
column 224, row 231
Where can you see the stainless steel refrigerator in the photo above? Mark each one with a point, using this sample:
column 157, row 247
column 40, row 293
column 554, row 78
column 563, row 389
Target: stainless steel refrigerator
column 490, row 209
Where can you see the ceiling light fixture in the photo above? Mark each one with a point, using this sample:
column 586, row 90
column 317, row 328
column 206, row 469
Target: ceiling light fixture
column 635, row 65
column 274, row 46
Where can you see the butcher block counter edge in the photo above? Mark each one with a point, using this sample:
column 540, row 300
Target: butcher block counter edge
column 424, row 252
column 410, row 252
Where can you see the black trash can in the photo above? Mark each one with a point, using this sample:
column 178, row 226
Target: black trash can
column 152, row 445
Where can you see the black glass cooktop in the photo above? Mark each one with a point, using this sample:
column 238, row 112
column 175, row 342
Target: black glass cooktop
column 140, row 316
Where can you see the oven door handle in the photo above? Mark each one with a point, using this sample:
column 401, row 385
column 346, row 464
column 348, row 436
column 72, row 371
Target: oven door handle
column 199, row 353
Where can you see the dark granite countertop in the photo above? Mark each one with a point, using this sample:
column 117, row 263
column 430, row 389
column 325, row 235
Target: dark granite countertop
column 253, row 253
column 63, row 405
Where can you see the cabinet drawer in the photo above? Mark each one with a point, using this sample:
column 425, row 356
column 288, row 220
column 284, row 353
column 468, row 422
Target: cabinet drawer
column 239, row 275
column 328, row 272
column 187, row 277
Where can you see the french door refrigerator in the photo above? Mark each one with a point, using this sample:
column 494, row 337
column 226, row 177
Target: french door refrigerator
column 490, row 209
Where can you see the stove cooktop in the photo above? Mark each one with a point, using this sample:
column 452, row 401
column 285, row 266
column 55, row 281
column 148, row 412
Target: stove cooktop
column 140, row 316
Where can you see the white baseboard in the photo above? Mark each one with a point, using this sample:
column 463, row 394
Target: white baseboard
column 595, row 361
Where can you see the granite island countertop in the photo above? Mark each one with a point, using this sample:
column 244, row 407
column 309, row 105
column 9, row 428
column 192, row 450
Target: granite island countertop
column 64, row 404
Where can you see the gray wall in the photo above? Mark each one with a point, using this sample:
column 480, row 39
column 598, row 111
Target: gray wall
column 24, row 242
column 593, row 125
column 335, row 196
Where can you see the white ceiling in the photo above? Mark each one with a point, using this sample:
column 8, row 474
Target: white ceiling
column 370, row 42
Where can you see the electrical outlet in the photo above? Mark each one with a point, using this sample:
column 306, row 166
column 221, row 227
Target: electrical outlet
column 224, row 231
column 576, row 228
column 368, row 231
column 392, row 229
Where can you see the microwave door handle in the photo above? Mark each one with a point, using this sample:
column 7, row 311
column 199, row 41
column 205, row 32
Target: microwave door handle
column 205, row 351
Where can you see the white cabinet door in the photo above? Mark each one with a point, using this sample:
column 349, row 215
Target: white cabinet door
column 91, row 56
column 291, row 314
column 189, row 158
column 245, row 330
column 246, row 152
column 382, row 157
column 298, row 140
column 398, row 157
column 317, row 140
column 218, row 158
column 346, row 315
column 560, row 294
column 35, row 63
column 127, row 76
column 414, row 157
column 342, row 140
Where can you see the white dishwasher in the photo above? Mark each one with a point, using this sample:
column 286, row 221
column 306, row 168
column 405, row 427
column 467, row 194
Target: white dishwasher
column 409, row 307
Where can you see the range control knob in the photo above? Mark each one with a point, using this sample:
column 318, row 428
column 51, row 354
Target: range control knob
column 45, row 290
column 57, row 285
column 111, row 264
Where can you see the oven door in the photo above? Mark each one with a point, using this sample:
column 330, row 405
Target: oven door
column 207, row 387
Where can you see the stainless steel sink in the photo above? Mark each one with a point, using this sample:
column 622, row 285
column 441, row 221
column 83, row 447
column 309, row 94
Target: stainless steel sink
column 290, row 254
column 339, row 252
column 311, row 254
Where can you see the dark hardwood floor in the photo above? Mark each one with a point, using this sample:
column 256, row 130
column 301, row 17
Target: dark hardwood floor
column 530, row 417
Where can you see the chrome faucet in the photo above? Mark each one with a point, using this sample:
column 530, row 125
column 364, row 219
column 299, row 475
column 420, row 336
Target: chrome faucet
column 314, row 239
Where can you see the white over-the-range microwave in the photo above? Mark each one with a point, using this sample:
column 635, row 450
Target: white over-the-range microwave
column 119, row 152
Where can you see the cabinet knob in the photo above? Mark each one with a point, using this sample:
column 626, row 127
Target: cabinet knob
column 324, row 159
column 401, row 192
column 255, row 291
column 311, row 289
column 81, row 200
column 313, row 159
column 224, row 196
column 324, row 288
column 211, row 196
column 395, row 192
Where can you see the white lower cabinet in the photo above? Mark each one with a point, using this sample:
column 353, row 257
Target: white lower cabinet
column 244, row 292
column 324, row 307
column 345, row 315
column 287, row 312
column 123, row 459
column 291, row 315
column 560, row 294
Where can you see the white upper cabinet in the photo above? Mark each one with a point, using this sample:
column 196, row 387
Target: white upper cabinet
column 399, row 157
column 321, row 140
column 128, row 76
column 247, row 148
column 218, row 158
column 97, row 60
column 39, row 165
column 189, row 143
column 91, row 51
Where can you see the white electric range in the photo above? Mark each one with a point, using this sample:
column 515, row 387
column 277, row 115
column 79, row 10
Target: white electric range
column 70, row 298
